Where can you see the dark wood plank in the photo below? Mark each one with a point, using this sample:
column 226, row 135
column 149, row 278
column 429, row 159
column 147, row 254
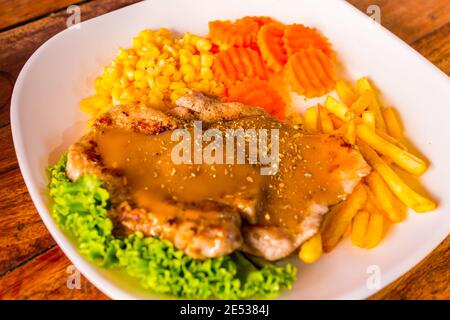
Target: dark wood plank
column 409, row 19
column 19, row 11
column 18, row 44
column 22, row 233
column 435, row 46
column 46, row 277
column 430, row 279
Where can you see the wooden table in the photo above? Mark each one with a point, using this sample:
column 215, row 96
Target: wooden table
column 31, row 264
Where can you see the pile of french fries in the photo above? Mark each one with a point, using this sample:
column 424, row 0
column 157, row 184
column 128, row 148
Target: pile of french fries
column 382, row 198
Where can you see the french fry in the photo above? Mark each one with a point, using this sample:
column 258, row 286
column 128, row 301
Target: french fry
column 401, row 157
column 391, row 139
column 341, row 216
column 376, row 225
column 364, row 85
column 375, row 230
column 350, row 133
column 409, row 197
column 338, row 109
column 392, row 123
column 359, row 227
column 394, row 210
column 325, row 120
column 346, row 93
column 337, row 123
column 348, row 231
column 368, row 118
column 310, row 119
column 311, row 249
column 363, row 103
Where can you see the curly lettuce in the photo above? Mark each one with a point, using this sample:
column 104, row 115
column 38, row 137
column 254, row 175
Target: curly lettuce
column 81, row 208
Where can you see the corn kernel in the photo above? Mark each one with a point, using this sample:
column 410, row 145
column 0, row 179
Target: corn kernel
column 167, row 42
column 218, row 91
column 151, row 50
column 195, row 61
column 137, row 43
column 94, row 104
column 177, row 75
column 111, row 72
column 128, row 73
column 154, row 100
column 123, row 54
column 203, row 44
column 187, row 69
column 116, row 92
column 164, row 32
column 193, row 39
column 169, row 69
column 153, row 71
column 170, row 50
column 162, row 82
column 177, row 85
column 189, row 47
column 163, row 56
column 186, row 38
column 146, row 35
column 151, row 82
column 124, row 83
column 189, row 78
column 141, row 84
column 207, row 60
column 139, row 75
column 206, row 73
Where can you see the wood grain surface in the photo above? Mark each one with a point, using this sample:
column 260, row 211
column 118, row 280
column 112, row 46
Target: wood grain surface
column 31, row 264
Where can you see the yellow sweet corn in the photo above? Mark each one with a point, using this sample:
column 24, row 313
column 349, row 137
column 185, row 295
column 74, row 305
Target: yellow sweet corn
column 155, row 71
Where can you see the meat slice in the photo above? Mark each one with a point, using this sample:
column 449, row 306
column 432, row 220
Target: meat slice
column 203, row 230
column 210, row 109
column 210, row 210
column 325, row 174
column 315, row 172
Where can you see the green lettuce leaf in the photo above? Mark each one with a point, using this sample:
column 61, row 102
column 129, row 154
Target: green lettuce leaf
column 81, row 208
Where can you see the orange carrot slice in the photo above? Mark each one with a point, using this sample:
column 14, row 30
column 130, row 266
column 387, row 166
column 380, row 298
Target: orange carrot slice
column 259, row 93
column 297, row 37
column 260, row 20
column 238, row 63
column 271, row 44
column 242, row 32
column 310, row 73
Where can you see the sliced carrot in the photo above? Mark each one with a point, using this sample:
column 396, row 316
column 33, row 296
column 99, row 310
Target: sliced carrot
column 242, row 32
column 270, row 42
column 257, row 92
column 238, row 63
column 310, row 73
column 297, row 37
column 260, row 20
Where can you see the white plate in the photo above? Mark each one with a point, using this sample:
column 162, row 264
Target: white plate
column 46, row 118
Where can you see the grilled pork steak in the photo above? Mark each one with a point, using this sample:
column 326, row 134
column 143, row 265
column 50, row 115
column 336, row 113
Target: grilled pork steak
column 210, row 210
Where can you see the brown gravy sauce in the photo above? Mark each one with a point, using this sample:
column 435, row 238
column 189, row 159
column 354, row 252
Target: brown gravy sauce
column 304, row 174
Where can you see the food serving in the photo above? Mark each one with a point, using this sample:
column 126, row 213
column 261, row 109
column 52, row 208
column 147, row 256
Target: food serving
column 221, row 229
